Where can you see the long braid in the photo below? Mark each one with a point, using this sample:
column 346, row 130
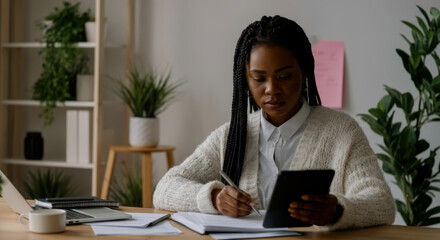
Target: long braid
column 269, row 30
column 236, row 143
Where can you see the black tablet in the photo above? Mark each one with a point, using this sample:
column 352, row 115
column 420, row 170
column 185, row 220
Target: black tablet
column 290, row 185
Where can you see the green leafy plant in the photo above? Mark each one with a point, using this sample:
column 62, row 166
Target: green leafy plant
column 129, row 192
column 48, row 185
column 148, row 95
column 62, row 61
column 405, row 154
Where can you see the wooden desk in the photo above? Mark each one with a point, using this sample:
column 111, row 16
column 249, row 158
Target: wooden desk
column 12, row 229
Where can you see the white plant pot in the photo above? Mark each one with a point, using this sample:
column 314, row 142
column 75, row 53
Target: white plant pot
column 84, row 87
column 90, row 31
column 144, row 132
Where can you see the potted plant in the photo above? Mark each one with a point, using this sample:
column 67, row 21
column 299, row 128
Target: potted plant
column 129, row 192
column 147, row 96
column 406, row 156
column 90, row 30
column 62, row 61
column 48, row 185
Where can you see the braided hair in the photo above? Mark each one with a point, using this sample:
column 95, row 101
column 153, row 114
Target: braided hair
column 275, row 31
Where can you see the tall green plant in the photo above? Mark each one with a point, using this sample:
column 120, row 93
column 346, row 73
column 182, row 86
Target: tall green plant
column 62, row 61
column 48, row 185
column 406, row 156
column 148, row 95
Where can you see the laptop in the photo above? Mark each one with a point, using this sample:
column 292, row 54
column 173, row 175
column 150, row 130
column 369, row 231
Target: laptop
column 73, row 216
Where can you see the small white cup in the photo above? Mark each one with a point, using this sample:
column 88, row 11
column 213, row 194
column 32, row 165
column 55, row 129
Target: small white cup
column 45, row 220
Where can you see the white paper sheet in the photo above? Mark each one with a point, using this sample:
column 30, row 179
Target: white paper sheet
column 163, row 228
column 252, row 235
column 137, row 220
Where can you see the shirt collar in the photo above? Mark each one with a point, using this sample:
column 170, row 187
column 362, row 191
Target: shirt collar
column 287, row 129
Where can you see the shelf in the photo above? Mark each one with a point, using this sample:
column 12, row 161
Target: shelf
column 46, row 163
column 43, row 45
column 36, row 103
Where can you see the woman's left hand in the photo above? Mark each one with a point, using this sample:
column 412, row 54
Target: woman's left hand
column 315, row 209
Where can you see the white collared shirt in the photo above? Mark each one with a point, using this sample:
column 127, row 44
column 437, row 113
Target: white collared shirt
column 277, row 148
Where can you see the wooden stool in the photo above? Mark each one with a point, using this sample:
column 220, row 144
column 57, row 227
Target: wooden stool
column 147, row 179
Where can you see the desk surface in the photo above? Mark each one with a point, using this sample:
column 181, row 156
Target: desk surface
column 12, row 229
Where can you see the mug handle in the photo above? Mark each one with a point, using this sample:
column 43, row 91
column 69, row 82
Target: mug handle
column 22, row 220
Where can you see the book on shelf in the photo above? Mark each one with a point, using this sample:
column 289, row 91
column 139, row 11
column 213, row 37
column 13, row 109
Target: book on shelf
column 71, row 136
column 74, row 202
column 83, row 144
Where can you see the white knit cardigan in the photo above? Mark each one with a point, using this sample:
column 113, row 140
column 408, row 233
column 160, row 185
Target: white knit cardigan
column 331, row 140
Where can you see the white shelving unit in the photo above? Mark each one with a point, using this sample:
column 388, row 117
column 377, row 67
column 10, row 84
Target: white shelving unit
column 7, row 116
column 35, row 103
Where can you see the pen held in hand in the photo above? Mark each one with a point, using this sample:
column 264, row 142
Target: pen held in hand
column 236, row 187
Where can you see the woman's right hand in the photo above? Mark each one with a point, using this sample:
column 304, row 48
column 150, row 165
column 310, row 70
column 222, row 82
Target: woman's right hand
column 231, row 202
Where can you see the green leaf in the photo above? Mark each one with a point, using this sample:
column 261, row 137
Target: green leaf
column 395, row 130
column 407, row 103
column 378, row 114
column 431, row 42
column 383, row 157
column 413, row 116
column 388, row 168
column 414, row 60
column 401, row 207
column 435, row 84
column 436, row 57
column 431, row 221
column 422, row 203
column 405, row 59
column 386, row 103
column 424, row 14
column 422, row 25
column 396, row 95
column 376, row 127
column 405, row 38
column 413, row 28
column 435, row 12
column 421, row 146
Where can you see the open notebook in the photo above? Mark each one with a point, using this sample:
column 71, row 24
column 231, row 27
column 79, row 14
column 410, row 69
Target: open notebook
column 206, row 223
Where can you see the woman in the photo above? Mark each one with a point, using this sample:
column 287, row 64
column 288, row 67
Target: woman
column 274, row 69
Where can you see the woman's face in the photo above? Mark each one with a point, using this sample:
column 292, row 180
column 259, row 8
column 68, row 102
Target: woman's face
column 275, row 82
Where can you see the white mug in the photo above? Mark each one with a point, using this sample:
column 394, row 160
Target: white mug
column 45, row 220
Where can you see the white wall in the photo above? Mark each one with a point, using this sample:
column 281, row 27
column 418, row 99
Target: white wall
column 198, row 37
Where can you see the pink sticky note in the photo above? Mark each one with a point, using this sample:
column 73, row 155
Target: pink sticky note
column 329, row 72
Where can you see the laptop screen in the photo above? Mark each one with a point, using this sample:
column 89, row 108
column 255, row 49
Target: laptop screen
column 13, row 197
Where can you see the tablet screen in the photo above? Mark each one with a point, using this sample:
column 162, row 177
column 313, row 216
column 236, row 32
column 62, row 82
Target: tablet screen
column 289, row 187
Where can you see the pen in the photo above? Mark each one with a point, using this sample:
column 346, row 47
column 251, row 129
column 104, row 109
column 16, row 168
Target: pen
column 236, row 187
column 159, row 220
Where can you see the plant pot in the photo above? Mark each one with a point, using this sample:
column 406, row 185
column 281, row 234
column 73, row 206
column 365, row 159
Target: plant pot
column 72, row 87
column 33, row 146
column 144, row 132
column 90, row 31
column 84, row 87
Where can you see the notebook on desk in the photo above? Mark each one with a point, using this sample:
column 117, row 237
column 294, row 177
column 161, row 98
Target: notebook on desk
column 206, row 223
column 73, row 216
